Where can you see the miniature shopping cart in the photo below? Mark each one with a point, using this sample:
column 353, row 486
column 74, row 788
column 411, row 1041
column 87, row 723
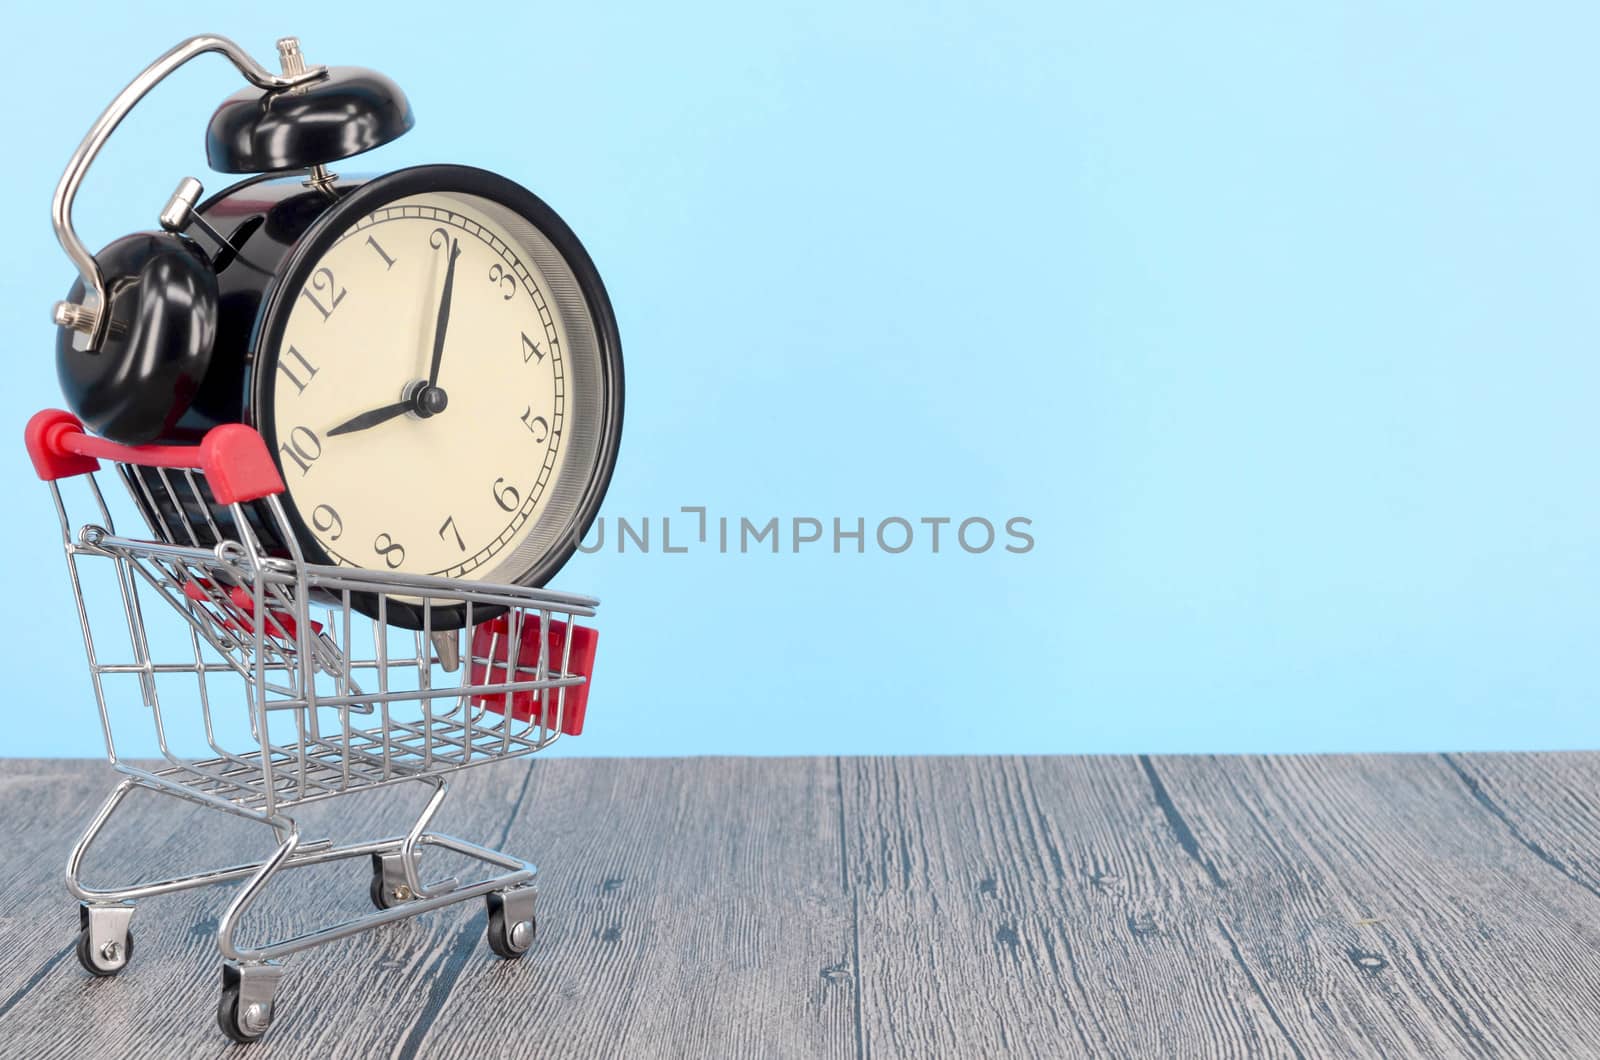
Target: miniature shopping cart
column 319, row 698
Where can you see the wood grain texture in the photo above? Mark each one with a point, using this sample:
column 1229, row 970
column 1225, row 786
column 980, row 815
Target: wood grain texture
column 43, row 799
column 1548, row 803
column 689, row 908
column 1382, row 910
column 874, row 907
column 1035, row 907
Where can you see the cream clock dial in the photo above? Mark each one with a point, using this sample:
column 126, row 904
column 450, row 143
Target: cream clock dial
column 359, row 342
column 437, row 391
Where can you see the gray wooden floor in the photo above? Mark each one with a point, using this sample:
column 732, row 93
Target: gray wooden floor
column 856, row 907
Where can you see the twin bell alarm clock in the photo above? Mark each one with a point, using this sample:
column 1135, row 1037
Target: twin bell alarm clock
column 429, row 354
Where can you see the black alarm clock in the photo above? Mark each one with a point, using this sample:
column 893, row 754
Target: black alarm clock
column 430, row 354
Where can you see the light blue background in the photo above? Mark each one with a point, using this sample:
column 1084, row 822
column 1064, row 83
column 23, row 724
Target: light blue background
column 1279, row 324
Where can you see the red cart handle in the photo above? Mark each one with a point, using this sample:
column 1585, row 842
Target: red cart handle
column 233, row 458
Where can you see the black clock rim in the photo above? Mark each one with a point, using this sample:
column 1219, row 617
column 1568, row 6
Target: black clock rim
column 295, row 271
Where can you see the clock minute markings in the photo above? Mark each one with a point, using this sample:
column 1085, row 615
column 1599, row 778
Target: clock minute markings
column 322, row 280
column 306, row 367
column 392, row 551
column 303, row 447
column 330, row 524
column 530, row 349
column 450, row 525
column 538, row 426
column 388, row 262
column 507, row 282
column 506, row 496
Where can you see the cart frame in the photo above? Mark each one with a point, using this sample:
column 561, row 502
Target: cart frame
column 250, row 620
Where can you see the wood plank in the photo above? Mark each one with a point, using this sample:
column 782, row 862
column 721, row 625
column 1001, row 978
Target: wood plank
column 1424, row 906
column 689, row 907
column 45, row 800
column 1548, row 802
column 42, row 915
column 1382, row 910
column 648, row 897
column 1037, row 907
column 165, row 1003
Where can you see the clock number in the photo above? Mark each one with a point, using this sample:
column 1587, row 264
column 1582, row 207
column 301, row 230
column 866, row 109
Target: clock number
column 392, row 551
column 530, row 349
column 305, row 365
column 506, row 496
column 450, row 525
column 388, row 262
column 538, row 426
column 439, row 238
column 507, row 281
column 330, row 523
column 322, row 280
column 303, row 448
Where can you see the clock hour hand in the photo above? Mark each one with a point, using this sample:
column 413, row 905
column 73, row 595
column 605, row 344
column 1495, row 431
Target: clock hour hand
column 373, row 418
column 443, row 321
column 420, row 398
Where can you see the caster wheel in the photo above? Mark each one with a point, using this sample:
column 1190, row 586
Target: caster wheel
column 388, row 888
column 242, row 1023
column 381, row 898
column 105, row 940
column 245, row 1010
column 109, row 959
column 510, row 932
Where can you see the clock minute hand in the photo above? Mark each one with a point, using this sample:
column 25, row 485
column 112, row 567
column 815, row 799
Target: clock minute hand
column 373, row 418
column 444, row 314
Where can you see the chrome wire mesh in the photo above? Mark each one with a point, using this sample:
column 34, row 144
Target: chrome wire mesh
column 335, row 700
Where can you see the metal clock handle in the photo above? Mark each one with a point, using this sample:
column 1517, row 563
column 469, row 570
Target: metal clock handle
column 86, row 318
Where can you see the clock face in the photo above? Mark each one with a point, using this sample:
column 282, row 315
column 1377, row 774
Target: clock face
column 434, row 391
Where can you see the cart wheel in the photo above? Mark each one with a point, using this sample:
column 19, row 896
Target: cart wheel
column 105, row 938
column 381, row 898
column 247, row 1005
column 388, row 888
column 511, row 931
column 109, row 959
column 242, row 1026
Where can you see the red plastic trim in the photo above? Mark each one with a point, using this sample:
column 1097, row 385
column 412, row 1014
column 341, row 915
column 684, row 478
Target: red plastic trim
column 495, row 636
column 50, row 461
column 237, row 464
column 233, row 458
